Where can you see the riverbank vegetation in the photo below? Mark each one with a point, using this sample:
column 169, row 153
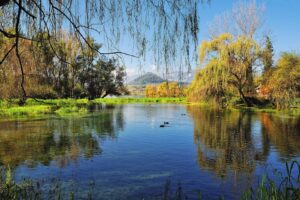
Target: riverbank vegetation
column 234, row 66
column 165, row 89
column 81, row 74
column 39, row 107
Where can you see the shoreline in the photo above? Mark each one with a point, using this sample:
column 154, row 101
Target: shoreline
column 9, row 109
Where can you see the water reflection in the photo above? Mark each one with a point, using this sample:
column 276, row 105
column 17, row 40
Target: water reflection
column 283, row 133
column 59, row 140
column 235, row 141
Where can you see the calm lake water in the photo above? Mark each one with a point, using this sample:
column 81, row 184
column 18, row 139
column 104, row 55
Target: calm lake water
column 122, row 153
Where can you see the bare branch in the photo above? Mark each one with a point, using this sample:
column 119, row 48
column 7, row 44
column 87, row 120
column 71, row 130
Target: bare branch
column 26, row 11
column 7, row 53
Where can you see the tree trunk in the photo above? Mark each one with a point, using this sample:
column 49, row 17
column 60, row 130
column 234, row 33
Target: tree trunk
column 249, row 77
column 245, row 99
column 22, row 101
column 105, row 95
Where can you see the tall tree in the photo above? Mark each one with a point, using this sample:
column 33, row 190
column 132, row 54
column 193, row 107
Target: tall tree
column 267, row 55
column 244, row 19
column 227, row 63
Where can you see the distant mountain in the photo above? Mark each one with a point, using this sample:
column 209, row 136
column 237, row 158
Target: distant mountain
column 148, row 78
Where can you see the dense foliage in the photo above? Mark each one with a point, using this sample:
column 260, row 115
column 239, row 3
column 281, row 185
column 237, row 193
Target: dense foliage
column 229, row 71
column 79, row 72
column 284, row 80
column 229, row 67
column 165, row 89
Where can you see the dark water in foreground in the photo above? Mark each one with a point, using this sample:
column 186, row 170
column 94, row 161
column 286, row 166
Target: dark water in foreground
column 122, row 153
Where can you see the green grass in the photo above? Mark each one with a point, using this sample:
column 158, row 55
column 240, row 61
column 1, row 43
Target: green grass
column 36, row 107
column 63, row 107
column 33, row 108
column 26, row 110
column 59, row 102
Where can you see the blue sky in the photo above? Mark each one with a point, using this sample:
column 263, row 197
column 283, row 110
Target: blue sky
column 281, row 22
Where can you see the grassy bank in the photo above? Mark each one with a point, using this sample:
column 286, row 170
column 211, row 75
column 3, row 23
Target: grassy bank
column 37, row 107
column 61, row 107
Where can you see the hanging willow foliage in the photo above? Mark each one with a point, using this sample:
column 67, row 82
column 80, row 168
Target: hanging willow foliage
column 167, row 28
column 228, row 61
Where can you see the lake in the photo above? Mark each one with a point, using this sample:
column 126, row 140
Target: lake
column 121, row 152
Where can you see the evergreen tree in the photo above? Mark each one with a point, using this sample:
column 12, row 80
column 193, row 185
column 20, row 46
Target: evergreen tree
column 267, row 55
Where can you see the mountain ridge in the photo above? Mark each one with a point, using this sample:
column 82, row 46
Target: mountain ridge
column 147, row 78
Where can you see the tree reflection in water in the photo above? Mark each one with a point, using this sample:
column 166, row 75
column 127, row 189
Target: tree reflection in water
column 231, row 140
column 283, row 133
column 224, row 141
column 62, row 140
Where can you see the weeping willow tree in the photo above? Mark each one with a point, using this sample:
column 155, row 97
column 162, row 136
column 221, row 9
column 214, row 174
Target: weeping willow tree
column 227, row 64
column 168, row 29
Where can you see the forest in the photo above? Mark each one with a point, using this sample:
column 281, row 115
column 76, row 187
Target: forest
column 78, row 73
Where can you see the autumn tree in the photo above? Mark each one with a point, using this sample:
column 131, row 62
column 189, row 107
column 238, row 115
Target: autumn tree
column 210, row 83
column 80, row 72
column 174, row 90
column 245, row 19
column 150, row 91
column 11, row 75
column 228, row 63
column 163, row 89
column 284, row 81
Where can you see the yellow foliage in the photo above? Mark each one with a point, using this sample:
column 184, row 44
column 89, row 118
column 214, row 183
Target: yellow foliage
column 217, row 44
column 229, row 64
column 165, row 89
column 284, row 82
column 150, row 91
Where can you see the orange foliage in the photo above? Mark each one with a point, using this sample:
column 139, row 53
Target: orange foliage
column 165, row 89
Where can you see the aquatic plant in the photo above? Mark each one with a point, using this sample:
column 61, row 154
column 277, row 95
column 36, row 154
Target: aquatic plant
column 288, row 186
